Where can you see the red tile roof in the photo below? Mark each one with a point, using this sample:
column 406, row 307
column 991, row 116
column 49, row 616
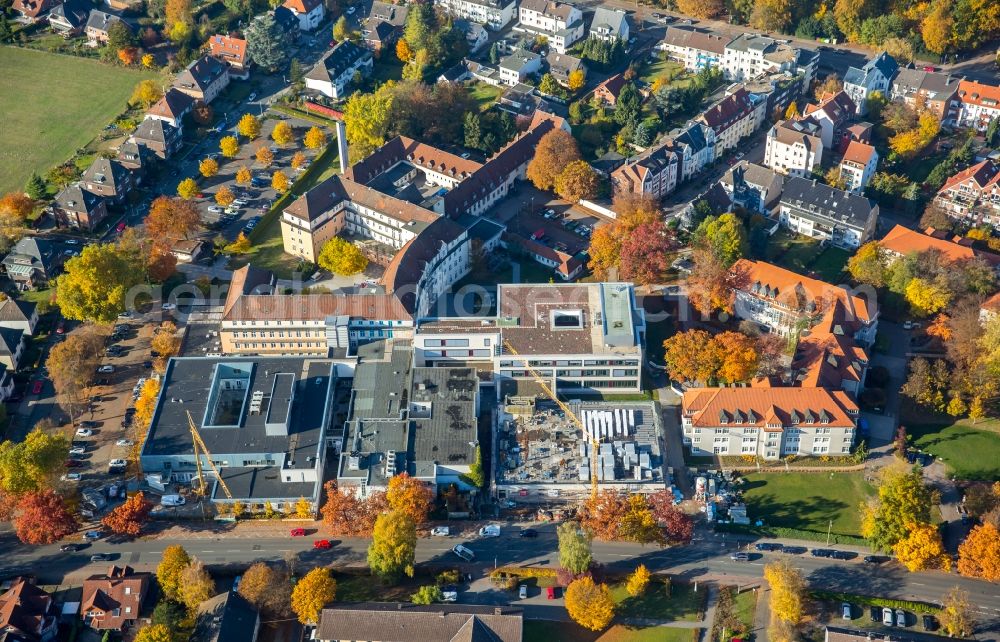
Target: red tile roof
column 982, row 174
column 301, row 6
column 975, row 93
column 859, row 153
column 111, row 600
column 228, row 48
column 768, row 407
column 902, row 240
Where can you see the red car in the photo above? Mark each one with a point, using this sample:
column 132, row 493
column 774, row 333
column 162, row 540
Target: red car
column 550, row 592
column 61, row 328
column 298, row 532
column 120, row 227
column 36, row 388
column 322, row 543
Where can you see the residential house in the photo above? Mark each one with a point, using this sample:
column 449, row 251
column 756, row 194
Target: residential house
column 394, row 14
column 753, row 187
column 562, row 65
column 973, row 195
column 861, row 132
column 990, row 309
column 98, row 23
column 379, row 35
column 79, row 208
column 171, row 108
column 786, row 303
column 980, row 104
column 901, row 241
column 520, row 100
column 134, row 158
column 69, row 17
column 876, row 75
column 693, row 47
column 833, row 114
column 858, row 166
column 27, row 613
column 113, row 601
column 435, row 623
column 518, row 66
column 233, row 52
column 734, row 117
column 751, row 55
column 18, row 314
column 566, row 266
column 494, row 14
column 334, row 72
column 607, row 92
column 794, row 147
column 936, row 92
column 158, row 136
column 696, row 142
column 476, row 35
column 11, row 347
column 609, row 24
column 227, row 617
column 190, row 250
column 110, row 179
column 31, row 11
column 33, row 261
column 768, row 422
column 654, row 172
column 287, row 20
column 561, row 23
column 309, row 12
column 204, row 79
column 813, row 209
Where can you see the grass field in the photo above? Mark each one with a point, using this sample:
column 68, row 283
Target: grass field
column 971, row 452
column 808, row 501
column 682, row 604
column 803, row 254
column 52, row 105
column 484, row 95
column 550, row 631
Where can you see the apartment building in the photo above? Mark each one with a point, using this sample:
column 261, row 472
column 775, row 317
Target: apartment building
column 576, row 336
column 204, row 79
column 560, row 22
column 753, row 187
column 696, row 142
column 310, row 13
column 794, row 147
column 826, row 213
column 518, row 66
column 833, row 114
column 750, row 55
column 973, row 195
column 858, row 166
column 232, row 51
column 735, row 117
column 980, row 104
column 78, row 208
column 110, row 179
column 694, row 48
column 494, row 14
column 767, row 422
column 334, row 72
column 654, row 172
column 933, row 91
column 875, row 75
column 786, row 303
column 901, row 241
column 609, row 24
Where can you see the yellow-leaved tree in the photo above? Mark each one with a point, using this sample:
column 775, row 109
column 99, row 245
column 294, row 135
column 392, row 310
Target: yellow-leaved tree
column 341, row 257
column 187, row 188
column 787, row 598
column 249, row 126
column 168, row 573
column 926, row 297
column 229, row 146
column 282, row 133
column 922, row 549
column 243, row 175
column 638, row 581
column 314, row 138
column 312, row 593
column 979, row 554
column 589, row 604
column 208, row 167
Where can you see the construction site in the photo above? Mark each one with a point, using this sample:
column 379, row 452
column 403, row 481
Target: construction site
column 544, row 455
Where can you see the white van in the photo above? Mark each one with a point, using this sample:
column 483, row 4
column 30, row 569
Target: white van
column 463, row 552
column 172, row 500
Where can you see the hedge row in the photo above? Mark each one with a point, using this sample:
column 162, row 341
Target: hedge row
column 523, row 571
column 916, row 607
column 791, row 533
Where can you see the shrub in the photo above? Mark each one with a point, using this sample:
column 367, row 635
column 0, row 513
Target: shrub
column 908, row 605
column 524, row 572
column 791, row 533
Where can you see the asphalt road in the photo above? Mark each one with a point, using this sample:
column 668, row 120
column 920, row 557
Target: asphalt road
column 705, row 559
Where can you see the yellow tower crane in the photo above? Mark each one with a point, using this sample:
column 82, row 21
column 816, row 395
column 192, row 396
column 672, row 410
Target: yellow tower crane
column 197, row 442
column 569, row 413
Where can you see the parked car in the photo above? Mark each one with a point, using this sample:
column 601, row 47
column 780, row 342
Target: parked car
column 930, row 623
column 168, row 306
column 172, row 500
column 77, row 450
column 36, row 388
column 527, row 532
column 887, row 617
column 875, row 613
column 463, row 552
column 92, row 535
column 911, row 325
column 71, row 477
column 550, row 592
column 215, row 209
column 740, row 557
column 875, row 559
column 900, row 618
column 124, row 443
column 768, row 546
column 846, row 609
column 522, row 591
column 843, row 555
column 449, row 593
column 441, row 531
column 490, row 530
column 106, row 369
column 322, row 544
column 74, row 463
column 100, row 557
column 821, row 552
column 84, row 432
column 298, row 532
column 70, row 548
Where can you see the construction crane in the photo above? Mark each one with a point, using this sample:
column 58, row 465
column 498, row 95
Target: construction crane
column 569, row 413
column 197, row 443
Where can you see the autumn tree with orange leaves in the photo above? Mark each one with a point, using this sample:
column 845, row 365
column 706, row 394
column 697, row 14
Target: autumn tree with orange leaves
column 555, row 150
column 711, row 284
column 979, row 554
column 692, row 356
column 410, row 496
column 614, row 516
column 130, row 517
column 346, row 514
column 171, row 219
column 739, row 356
column 633, row 211
column 42, row 518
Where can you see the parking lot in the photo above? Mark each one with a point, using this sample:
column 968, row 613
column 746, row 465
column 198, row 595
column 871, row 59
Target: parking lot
column 558, row 224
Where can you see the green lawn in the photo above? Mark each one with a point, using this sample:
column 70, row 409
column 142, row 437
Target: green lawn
column 803, row 255
column 746, row 607
column 971, row 452
column 663, row 67
column 830, row 264
column 51, row 105
column 808, row 501
column 676, row 603
column 484, row 95
column 551, row 631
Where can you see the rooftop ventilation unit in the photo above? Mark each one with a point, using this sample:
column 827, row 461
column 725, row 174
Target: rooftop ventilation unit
column 390, row 463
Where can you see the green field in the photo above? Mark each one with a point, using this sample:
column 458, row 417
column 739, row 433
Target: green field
column 52, row 105
column 804, row 255
column 484, row 95
column 971, row 452
column 681, row 604
column 808, row 501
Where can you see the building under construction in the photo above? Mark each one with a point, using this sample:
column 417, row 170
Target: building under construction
column 543, row 456
column 260, row 423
